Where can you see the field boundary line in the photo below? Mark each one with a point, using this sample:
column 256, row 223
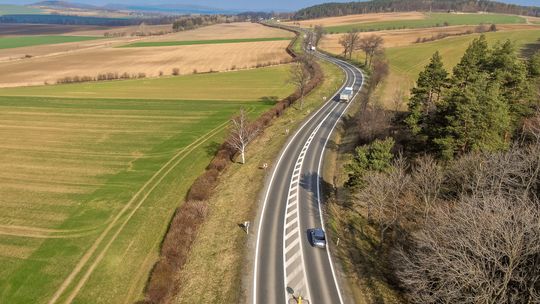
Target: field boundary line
column 82, row 262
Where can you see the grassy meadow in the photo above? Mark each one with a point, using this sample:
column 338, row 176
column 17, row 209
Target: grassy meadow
column 407, row 62
column 431, row 20
column 202, row 42
column 88, row 184
column 237, row 85
column 25, row 41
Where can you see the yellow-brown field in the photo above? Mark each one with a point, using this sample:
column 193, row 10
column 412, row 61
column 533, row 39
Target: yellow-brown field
column 362, row 18
column 396, row 38
column 48, row 63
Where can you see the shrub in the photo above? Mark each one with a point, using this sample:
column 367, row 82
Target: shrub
column 203, row 186
column 176, row 71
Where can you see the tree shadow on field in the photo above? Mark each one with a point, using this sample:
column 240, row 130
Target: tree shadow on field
column 212, row 148
column 269, row 100
column 530, row 49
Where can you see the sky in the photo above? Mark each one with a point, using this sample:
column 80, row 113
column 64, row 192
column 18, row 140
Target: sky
column 234, row 4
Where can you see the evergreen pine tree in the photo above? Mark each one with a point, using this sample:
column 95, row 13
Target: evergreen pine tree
column 507, row 69
column 426, row 95
column 473, row 62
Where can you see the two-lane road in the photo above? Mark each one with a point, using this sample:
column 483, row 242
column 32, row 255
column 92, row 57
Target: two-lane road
column 292, row 204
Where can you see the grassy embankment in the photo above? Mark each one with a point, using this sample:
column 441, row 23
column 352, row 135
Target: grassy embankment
column 220, row 247
column 107, row 174
column 201, row 42
column 25, row 41
column 407, row 62
column 431, row 20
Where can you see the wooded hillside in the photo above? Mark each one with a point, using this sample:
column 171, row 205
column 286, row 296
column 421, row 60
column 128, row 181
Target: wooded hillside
column 379, row 6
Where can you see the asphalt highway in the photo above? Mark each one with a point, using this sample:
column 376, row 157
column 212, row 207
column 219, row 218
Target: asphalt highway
column 286, row 264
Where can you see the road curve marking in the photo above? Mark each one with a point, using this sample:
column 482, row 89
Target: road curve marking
column 274, row 172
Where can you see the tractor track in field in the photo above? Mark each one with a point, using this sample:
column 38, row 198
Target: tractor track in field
column 165, row 169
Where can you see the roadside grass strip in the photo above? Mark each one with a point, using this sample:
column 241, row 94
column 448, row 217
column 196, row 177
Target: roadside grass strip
column 25, row 41
column 199, row 42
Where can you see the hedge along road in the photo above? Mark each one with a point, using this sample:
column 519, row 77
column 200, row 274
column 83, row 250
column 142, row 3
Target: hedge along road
column 285, row 263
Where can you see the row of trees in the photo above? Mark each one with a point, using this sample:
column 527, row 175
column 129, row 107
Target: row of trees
column 479, row 29
column 380, row 6
column 192, row 22
column 371, row 45
column 100, row 77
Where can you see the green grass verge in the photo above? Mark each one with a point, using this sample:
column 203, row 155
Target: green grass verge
column 236, row 201
column 268, row 83
column 431, row 20
column 25, row 41
column 6, row 9
column 198, row 42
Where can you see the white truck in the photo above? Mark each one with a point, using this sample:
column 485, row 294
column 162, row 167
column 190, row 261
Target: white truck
column 346, row 94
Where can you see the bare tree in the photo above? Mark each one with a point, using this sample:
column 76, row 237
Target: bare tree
column 483, row 250
column 427, row 183
column 382, row 196
column 300, row 76
column 371, row 45
column 349, row 42
column 380, row 69
column 242, row 132
column 318, row 31
column 398, row 99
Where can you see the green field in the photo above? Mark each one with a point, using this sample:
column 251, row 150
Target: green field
column 407, row 62
column 16, row 42
column 238, row 85
column 88, row 185
column 431, row 20
column 199, row 42
column 6, row 9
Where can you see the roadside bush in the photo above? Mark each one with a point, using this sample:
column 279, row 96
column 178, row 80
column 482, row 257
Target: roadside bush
column 175, row 251
column 203, row 186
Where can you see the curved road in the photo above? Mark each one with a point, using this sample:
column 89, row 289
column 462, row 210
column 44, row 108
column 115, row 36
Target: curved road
column 285, row 261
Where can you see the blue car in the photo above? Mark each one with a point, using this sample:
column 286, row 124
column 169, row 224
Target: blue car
column 318, row 237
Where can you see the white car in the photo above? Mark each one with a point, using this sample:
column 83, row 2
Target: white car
column 346, row 94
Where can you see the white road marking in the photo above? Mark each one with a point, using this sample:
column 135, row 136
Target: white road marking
column 267, row 194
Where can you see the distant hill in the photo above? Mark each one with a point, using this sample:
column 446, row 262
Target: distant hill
column 177, row 9
column 379, row 6
column 64, row 5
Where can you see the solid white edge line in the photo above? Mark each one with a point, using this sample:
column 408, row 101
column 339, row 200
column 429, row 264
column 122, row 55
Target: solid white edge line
column 257, row 246
column 319, row 185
